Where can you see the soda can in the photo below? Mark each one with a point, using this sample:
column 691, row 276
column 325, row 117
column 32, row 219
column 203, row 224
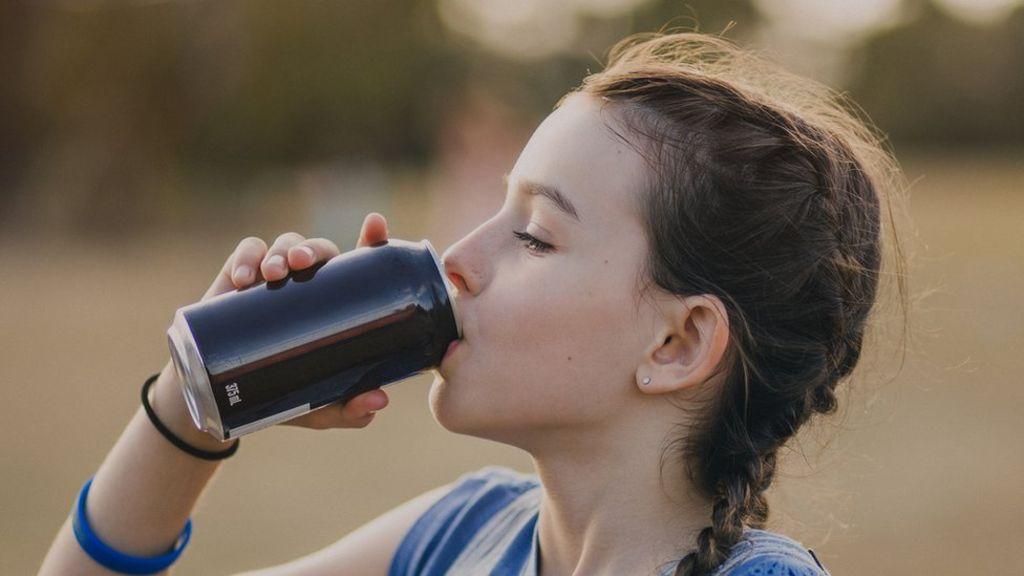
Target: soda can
column 269, row 352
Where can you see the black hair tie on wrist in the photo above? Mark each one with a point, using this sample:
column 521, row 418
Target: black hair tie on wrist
column 197, row 452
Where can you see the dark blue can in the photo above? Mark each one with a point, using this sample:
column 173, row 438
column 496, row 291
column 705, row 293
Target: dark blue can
column 272, row 351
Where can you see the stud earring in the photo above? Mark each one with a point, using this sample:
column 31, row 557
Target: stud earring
column 646, row 381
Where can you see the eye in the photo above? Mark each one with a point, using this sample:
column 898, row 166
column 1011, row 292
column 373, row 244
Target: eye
column 532, row 243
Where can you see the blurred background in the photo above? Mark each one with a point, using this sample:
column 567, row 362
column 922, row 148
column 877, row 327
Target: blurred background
column 140, row 141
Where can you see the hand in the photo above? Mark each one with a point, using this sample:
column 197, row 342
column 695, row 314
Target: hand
column 253, row 262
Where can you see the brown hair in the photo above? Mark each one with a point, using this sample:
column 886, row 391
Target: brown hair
column 768, row 191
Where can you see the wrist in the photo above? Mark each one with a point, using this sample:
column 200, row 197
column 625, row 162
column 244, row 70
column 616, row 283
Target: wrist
column 168, row 403
column 111, row 557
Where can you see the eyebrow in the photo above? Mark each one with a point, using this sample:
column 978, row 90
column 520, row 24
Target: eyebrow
column 550, row 192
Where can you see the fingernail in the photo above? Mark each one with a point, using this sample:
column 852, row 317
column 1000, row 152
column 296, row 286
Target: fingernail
column 308, row 251
column 242, row 273
column 276, row 261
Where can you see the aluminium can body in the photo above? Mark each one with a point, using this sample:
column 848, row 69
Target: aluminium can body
column 266, row 353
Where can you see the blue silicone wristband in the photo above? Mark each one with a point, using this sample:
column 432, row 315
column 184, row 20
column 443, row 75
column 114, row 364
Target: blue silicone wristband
column 119, row 561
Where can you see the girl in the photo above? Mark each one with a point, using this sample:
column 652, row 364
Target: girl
column 679, row 277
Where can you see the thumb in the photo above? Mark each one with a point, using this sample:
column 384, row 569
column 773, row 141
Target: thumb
column 374, row 230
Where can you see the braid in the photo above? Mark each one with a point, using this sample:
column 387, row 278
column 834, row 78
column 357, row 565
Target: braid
column 852, row 270
column 739, row 501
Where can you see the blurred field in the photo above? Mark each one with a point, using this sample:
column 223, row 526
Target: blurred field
column 923, row 475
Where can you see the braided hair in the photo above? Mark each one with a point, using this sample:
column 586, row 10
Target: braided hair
column 765, row 191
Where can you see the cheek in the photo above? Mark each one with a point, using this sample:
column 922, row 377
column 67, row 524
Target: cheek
column 549, row 350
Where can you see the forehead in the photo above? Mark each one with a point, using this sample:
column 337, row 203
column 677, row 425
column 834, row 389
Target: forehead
column 575, row 150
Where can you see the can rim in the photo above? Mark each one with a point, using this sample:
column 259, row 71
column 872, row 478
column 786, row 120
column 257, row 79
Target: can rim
column 448, row 286
column 195, row 383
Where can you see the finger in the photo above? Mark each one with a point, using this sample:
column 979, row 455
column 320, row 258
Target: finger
column 359, row 406
column 275, row 262
column 225, row 281
column 355, row 413
column 374, row 230
column 244, row 263
column 335, row 417
column 329, row 416
column 311, row 251
column 362, row 422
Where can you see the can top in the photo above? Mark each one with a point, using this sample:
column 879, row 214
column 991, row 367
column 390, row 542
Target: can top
column 195, row 383
column 448, row 286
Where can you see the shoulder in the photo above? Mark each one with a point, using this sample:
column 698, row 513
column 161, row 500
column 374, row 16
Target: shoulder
column 456, row 521
column 495, row 477
column 763, row 552
column 481, row 491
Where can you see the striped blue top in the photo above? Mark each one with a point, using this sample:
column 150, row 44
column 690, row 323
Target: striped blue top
column 487, row 524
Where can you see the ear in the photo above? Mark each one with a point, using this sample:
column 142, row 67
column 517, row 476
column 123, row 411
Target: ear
column 688, row 348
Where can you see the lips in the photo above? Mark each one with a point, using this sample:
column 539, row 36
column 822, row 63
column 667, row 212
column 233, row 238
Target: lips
column 451, row 347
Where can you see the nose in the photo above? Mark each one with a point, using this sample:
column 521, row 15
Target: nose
column 452, row 271
column 467, row 262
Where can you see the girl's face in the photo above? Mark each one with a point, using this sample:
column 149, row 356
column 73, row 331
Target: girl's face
column 552, row 338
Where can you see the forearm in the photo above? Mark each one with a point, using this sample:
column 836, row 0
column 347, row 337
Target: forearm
column 145, row 489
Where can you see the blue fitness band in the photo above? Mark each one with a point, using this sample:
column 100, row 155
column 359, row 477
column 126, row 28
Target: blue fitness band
column 119, row 561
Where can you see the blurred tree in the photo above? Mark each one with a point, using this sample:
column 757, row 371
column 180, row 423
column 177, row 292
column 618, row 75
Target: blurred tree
column 318, row 80
column 940, row 81
column 112, row 108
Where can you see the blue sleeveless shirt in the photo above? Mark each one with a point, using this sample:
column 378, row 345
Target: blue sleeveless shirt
column 487, row 525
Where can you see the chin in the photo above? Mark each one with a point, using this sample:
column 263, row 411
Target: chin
column 469, row 410
column 458, row 410
column 444, row 405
